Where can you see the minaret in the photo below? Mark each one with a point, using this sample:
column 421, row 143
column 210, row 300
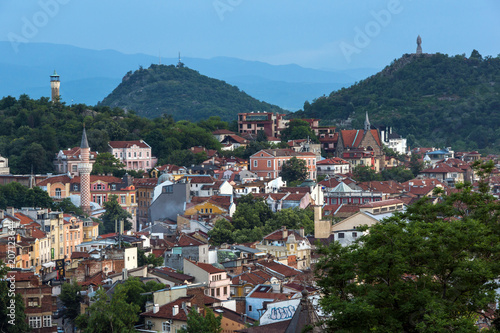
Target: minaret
column 367, row 123
column 84, row 169
column 54, row 86
column 419, row 42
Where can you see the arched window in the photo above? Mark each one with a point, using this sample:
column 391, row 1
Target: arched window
column 58, row 192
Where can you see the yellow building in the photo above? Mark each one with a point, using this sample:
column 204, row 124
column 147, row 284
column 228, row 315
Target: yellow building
column 90, row 230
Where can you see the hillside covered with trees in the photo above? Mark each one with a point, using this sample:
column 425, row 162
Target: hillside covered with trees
column 432, row 99
column 182, row 93
column 33, row 131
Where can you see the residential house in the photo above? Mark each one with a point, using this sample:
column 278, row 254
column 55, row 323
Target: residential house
column 38, row 301
column 289, row 246
column 394, row 141
column 66, row 161
column 332, row 166
column 145, row 192
column 251, row 123
column 267, row 163
column 216, row 279
column 445, row 174
column 259, row 297
column 343, row 194
column 135, row 155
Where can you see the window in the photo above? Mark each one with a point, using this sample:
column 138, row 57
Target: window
column 279, row 163
column 218, row 292
column 140, row 154
column 122, row 199
column 99, row 186
column 225, row 290
column 249, row 308
column 47, row 321
column 255, row 163
column 210, row 210
column 74, row 168
column 58, row 192
column 213, row 292
column 340, row 235
column 135, row 154
column 33, row 301
column 269, row 163
column 35, row 322
column 129, row 154
column 132, row 199
column 354, row 234
column 165, row 326
column 75, row 187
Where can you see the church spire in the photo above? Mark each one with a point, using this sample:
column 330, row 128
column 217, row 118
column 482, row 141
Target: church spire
column 367, row 123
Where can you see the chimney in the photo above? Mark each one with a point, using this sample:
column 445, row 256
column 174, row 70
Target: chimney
column 125, row 274
column 317, row 213
column 156, row 308
column 175, row 310
column 301, row 231
column 11, row 211
column 285, row 232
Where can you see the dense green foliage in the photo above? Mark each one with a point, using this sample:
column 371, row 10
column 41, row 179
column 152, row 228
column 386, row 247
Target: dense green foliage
column 433, row 100
column 12, row 315
column 33, row 131
column 105, row 315
column 182, row 93
column 433, row 268
column 71, row 299
column 294, row 171
column 196, row 323
column 298, row 129
column 150, row 259
column 16, row 195
column 363, row 173
column 253, row 219
column 114, row 213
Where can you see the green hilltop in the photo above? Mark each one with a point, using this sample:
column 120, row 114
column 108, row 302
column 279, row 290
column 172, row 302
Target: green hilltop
column 182, row 93
column 432, row 99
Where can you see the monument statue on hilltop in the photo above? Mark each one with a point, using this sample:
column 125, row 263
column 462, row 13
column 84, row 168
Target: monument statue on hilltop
column 419, row 42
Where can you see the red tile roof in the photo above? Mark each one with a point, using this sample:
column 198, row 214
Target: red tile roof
column 284, row 270
column 278, row 235
column 332, row 161
column 442, row 168
column 381, row 203
column 273, row 296
column 93, row 179
column 185, row 240
column 128, row 144
column 207, row 267
column 166, row 311
column 23, row 219
column 53, row 180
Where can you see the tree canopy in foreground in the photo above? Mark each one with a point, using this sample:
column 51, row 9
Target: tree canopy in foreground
column 433, row 268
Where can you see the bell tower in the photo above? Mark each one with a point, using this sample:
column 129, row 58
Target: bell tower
column 54, row 86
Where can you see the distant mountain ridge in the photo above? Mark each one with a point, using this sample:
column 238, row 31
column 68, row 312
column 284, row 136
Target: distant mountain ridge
column 182, row 93
column 87, row 76
column 433, row 99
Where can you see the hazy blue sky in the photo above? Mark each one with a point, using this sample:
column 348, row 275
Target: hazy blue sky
column 316, row 33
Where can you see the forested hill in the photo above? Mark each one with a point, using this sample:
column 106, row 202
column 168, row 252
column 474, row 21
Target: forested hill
column 432, row 99
column 183, row 93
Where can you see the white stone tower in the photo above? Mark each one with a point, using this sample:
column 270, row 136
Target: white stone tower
column 84, row 168
column 54, row 86
column 367, row 123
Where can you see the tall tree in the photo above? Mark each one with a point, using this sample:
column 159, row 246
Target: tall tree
column 106, row 164
column 114, row 212
column 294, row 170
column 433, row 268
column 196, row 323
column 105, row 315
column 298, row 129
column 221, row 233
column 71, row 298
